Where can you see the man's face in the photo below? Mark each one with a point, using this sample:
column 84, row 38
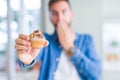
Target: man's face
column 60, row 11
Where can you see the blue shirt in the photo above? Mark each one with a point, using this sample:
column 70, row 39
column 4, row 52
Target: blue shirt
column 85, row 58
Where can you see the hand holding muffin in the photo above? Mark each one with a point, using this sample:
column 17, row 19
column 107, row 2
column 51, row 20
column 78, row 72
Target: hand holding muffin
column 28, row 47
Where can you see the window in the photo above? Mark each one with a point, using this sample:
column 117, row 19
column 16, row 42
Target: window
column 24, row 17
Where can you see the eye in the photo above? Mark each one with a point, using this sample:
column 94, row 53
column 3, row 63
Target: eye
column 54, row 13
column 64, row 12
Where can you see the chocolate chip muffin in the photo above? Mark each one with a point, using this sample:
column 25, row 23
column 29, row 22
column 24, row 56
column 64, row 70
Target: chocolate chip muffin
column 37, row 39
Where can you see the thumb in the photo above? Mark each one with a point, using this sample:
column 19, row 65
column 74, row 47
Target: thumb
column 46, row 43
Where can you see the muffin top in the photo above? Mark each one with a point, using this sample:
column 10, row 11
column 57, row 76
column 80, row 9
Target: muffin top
column 36, row 35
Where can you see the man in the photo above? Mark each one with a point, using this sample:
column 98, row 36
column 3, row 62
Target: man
column 69, row 55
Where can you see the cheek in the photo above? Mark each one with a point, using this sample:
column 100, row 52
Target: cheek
column 53, row 20
column 68, row 18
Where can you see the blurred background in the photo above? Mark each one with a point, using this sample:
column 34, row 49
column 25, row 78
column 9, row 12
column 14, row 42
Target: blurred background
column 100, row 18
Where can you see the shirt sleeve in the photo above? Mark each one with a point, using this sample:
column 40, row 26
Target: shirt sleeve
column 22, row 65
column 88, row 63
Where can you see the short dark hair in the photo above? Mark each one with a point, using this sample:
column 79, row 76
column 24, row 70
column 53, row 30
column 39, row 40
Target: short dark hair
column 54, row 1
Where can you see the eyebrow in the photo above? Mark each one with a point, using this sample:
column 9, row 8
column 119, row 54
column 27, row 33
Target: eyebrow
column 53, row 11
column 64, row 9
column 56, row 11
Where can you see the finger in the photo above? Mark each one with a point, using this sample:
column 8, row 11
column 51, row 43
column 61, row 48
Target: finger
column 21, row 47
column 60, row 32
column 23, row 36
column 66, row 27
column 22, row 42
column 25, row 51
column 21, row 51
column 60, row 27
column 71, row 30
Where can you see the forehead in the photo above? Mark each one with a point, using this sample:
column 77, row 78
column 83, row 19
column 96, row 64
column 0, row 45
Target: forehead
column 60, row 5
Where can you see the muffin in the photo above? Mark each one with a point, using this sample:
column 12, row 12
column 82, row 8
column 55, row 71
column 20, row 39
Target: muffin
column 37, row 39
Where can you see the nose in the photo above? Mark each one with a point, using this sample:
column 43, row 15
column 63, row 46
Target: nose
column 60, row 17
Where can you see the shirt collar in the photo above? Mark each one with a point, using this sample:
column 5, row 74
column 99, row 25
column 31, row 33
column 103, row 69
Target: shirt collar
column 54, row 35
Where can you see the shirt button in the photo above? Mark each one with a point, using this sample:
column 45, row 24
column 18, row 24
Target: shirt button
column 57, row 59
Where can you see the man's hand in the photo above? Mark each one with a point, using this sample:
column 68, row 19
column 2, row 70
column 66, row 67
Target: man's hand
column 66, row 35
column 25, row 53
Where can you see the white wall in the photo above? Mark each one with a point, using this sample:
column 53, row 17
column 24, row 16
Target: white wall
column 111, row 10
column 48, row 26
column 88, row 18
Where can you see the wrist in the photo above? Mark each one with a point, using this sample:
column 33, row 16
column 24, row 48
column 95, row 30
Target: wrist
column 71, row 46
column 71, row 51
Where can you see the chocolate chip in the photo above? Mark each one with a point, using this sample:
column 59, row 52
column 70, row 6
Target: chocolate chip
column 36, row 31
column 38, row 35
column 41, row 36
